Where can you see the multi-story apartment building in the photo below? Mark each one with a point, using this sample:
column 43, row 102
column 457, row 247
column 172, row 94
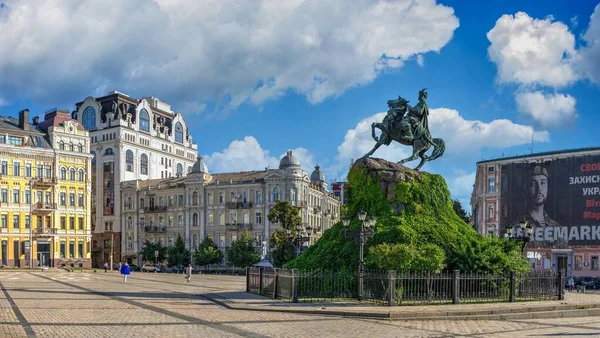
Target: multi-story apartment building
column 44, row 180
column 340, row 189
column 221, row 206
column 557, row 194
column 131, row 140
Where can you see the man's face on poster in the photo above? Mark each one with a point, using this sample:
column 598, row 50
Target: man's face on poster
column 538, row 189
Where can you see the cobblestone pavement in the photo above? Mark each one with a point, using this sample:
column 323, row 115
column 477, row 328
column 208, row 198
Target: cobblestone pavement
column 53, row 304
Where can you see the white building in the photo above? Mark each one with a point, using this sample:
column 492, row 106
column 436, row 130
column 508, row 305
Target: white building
column 131, row 139
column 221, row 206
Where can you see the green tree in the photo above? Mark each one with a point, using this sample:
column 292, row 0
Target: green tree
column 242, row 253
column 178, row 255
column 208, row 253
column 149, row 249
column 460, row 212
column 283, row 241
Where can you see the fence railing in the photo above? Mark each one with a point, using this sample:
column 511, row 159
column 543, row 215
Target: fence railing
column 407, row 287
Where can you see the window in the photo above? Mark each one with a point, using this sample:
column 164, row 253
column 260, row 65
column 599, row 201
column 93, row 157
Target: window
column 4, row 168
column 27, row 221
column 195, row 219
column 89, row 118
column 40, row 171
column 63, row 173
column 209, row 196
column 16, row 221
column 71, row 223
column 170, row 221
column 4, row 196
column 221, row 241
column 144, row 164
column 233, row 217
column 275, row 194
column 490, row 212
column 27, row 196
column 490, row 168
column 81, row 175
column 246, row 218
column 210, row 219
column 179, row 169
column 108, row 151
column 80, row 148
column 129, row 160
column 195, row 198
column 491, row 184
column 594, row 260
column 259, row 218
column 48, row 171
column 180, row 200
column 16, row 169
column 80, row 222
column 144, row 120
column 80, row 249
column 72, row 174
column 578, row 262
column 72, row 199
column 178, row 133
column 4, row 221
column 63, row 222
column 221, row 218
column 16, row 195
column 294, row 196
column 194, row 241
column 63, row 198
column 15, row 140
column 220, row 197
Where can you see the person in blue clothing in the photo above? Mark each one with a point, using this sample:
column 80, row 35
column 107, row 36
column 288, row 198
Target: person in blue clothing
column 125, row 271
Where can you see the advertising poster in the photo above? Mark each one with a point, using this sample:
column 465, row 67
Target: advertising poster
column 560, row 198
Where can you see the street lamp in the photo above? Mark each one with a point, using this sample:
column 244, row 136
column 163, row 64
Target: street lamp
column 365, row 232
column 524, row 235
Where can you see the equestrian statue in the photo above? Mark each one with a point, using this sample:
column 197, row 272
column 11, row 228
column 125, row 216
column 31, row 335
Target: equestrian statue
column 409, row 126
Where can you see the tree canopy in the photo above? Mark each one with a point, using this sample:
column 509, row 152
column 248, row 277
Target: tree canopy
column 208, row 253
column 460, row 212
column 283, row 240
column 148, row 250
column 178, row 255
column 242, row 253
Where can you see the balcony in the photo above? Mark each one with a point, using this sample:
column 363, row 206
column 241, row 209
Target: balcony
column 317, row 209
column 150, row 228
column 42, row 207
column 238, row 226
column 303, row 204
column 44, row 182
column 43, row 232
column 156, row 208
column 239, row 205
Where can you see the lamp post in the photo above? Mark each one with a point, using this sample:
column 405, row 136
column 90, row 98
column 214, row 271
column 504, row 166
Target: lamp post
column 522, row 231
column 365, row 232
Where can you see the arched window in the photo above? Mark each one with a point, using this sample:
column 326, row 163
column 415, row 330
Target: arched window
column 179, row 169
column 178, row 132
column 72, row 174
column 63, row 173
column 144, row 120
column 294, row 196
column 130, row 223
column 89, row 118
column 62, row 145
column 195, row 219
column 189, row 170
column 129, row 160
column 195, row 198
column 80, row 148
column 71, row 147
column 108, row 151
column 81, row 175
column 275, row 194
column 144, row 164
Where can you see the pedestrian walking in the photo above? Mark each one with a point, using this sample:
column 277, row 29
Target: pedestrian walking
column 120, row 266
column 105, row 267
column 571, row 284
column 188, row 272
column 125, row 271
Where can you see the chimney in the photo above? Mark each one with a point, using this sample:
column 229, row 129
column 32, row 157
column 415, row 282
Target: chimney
column 36, row 120
column 23, row 119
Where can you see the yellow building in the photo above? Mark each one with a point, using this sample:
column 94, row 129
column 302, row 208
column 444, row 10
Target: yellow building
column 44, row 180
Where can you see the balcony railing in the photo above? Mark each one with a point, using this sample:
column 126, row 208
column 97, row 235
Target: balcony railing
column 44, row 231
column 44, row 181
column 44, row 207
column 239, row 205
column 150, row 228
column 238, row 226
column 156, row 208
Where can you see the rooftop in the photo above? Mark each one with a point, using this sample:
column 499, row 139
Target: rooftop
column 540, row 154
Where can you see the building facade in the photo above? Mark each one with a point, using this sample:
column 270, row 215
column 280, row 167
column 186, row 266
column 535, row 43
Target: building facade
column 340, row 189
column 557, row 194
column 45, row 191
column 131, row 139
column 222, row 206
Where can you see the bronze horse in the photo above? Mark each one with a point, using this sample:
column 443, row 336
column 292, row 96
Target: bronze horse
column 396, row 126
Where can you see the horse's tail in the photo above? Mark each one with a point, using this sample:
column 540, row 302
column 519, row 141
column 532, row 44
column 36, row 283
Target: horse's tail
column 439, row 146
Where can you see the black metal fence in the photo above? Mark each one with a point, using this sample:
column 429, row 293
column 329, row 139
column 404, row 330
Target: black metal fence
column 406, row 288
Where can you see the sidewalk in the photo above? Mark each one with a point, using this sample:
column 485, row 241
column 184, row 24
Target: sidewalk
column 574, row 305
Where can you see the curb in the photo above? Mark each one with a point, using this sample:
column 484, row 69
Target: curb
column 542, row 312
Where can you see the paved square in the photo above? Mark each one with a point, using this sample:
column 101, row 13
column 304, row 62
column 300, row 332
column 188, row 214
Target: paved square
column 79, row 304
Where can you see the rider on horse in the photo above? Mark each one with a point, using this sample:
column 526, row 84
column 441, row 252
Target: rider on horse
column 416, row 123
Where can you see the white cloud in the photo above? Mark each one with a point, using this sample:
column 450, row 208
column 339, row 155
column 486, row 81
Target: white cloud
column 547, row 110
column 461, row 187
column 466, row 137
column 227, row 51
column 3, row 102
column 531, row 51
column 587, row 60
column 247, row 154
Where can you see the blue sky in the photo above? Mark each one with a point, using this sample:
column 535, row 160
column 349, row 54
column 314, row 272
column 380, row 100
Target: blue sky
column 254, row 79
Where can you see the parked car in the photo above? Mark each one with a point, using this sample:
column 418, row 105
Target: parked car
column 134, row 267
column 150, row 268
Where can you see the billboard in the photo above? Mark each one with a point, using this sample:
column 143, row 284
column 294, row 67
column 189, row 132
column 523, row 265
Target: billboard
column 560, row 198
